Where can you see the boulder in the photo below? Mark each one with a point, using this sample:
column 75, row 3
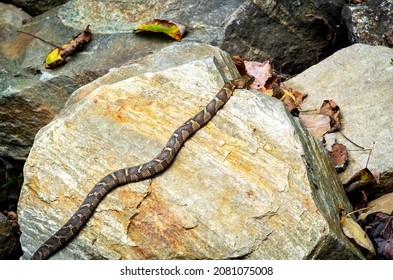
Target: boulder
column 36, row 7
column 251, row 184
column 368, row 22
column 30, row 95
column 359, row 80
column 11, row 18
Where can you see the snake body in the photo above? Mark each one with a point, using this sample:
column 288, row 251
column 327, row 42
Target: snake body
column 139, row 172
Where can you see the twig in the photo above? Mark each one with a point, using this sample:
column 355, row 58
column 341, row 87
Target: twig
column 352, row 141
column 369, row 154
column 47, row 42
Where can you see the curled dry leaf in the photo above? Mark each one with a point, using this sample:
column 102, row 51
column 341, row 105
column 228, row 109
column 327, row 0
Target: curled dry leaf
column 339, row 155
column 331, row 109
column 173, row 29
column 360, row 179
column 359, row 187
column 58, row 55
column 239, row 62
column 267, row 82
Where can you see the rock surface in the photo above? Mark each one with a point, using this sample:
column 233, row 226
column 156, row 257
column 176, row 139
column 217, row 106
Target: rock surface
column 30, row 95
column 251, row 184
column 359, row 80
column 11, row 18
column 35, row 7
column 368, row 22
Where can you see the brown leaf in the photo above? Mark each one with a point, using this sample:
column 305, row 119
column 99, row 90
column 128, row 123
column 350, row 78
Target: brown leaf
column 331, row 109
column 239, row 62
column 339, row 156
column 77, row 42
column 58, row 55
column 358, row 188
column 360, row 179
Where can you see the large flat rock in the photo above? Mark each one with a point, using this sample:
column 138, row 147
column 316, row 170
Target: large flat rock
column 251, row 184
column 359, row 80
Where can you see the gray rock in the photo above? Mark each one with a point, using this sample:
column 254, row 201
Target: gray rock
column 35, row 7
column 359, row 80
column 368, row 22
column 251, row 184
column 11, row 18
column 30, row 95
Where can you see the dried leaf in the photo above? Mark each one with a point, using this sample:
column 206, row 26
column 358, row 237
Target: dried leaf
column 358, row 188
column 262, row 71
column 172, row 29
column 58, row 55
column 316, row 124
column 268, row 83
column 331, row 109
column 54, row 58
column 359, row 180
column 339, row 156
column 383, row 204
column 239, row 62
column 355, row 232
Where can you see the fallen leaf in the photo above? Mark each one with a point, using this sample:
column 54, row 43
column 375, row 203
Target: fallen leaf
column 262, row 71
column 359, row 186
column 331, row 109
column 170, row 28
column 382, row 204
column 316, row 124
column 54, row 58
column 267, row 82
column 355, row 232
column 360, row 179
column 58, row 55
column 339, row 156
column 239, row 63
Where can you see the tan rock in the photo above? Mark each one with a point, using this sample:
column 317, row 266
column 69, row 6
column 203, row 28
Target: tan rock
column 359, row 80
column 239, row 188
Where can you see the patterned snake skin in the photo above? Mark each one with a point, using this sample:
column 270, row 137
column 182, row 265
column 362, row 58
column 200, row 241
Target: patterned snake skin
column 137, row 173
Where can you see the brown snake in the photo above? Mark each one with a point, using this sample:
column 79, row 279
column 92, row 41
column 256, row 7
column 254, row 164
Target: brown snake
column 139, row 172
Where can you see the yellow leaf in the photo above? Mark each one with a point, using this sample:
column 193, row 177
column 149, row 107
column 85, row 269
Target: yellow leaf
column 54, row 58
column 354, row 231
column 172, row 29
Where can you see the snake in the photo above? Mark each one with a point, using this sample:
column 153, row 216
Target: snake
column 139, row 172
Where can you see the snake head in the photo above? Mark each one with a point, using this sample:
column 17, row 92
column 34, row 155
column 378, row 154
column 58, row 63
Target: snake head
column 244, row 82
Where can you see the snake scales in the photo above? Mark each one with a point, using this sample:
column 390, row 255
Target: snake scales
column 137, row 173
